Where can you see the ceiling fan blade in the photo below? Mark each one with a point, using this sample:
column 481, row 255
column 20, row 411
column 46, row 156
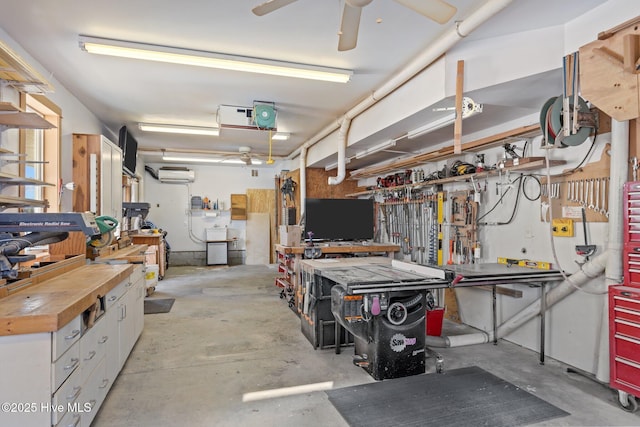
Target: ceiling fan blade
column 349, row 27
column 270, row 6
column 437, row 10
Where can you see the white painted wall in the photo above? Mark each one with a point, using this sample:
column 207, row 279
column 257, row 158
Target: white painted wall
column 170, row 203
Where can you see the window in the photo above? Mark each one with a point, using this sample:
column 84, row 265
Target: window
column 41, row 149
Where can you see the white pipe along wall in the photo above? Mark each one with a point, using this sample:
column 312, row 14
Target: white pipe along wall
column 619, row 172
column 426, row 58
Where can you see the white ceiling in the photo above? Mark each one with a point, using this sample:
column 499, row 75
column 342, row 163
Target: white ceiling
column 125, row 91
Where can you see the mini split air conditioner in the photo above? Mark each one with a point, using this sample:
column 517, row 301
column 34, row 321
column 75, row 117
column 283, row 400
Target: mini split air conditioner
column 176, row 176
column 235, row 117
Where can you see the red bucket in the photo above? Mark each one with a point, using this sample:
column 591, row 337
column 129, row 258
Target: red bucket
column 434, row 321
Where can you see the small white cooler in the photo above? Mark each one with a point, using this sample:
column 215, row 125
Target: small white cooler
column 217, row 246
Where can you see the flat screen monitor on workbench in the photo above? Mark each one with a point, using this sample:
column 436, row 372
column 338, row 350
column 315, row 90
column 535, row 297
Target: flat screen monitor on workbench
column 339, row 219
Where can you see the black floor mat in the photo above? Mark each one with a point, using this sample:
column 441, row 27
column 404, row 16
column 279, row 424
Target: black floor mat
column 461, row 397
column 158, row 305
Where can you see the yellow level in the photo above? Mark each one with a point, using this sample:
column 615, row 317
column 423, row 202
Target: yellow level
column 541, row 265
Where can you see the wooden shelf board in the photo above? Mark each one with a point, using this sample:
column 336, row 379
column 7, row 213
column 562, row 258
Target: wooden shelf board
column 529, row 131
column 9, row 179
column 17, row 202
column 7, row 106
column 538, row 164
column 23, row 120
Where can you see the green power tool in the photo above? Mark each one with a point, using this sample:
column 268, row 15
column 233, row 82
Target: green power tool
column 106, row 224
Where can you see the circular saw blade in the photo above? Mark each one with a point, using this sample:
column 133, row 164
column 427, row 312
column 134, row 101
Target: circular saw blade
column 101, row 241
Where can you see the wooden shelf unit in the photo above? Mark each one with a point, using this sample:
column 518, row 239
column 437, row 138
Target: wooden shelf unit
column 538, row 164
column 523, row 132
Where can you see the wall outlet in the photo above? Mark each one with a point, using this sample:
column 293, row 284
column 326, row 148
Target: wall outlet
column 562, row 227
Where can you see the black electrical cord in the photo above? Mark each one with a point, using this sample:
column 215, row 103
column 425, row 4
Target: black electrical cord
column 593, row 143
column 515, row 206
column 524, row 192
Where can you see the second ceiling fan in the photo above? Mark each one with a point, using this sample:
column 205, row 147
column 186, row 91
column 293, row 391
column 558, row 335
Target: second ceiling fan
column 437, row 10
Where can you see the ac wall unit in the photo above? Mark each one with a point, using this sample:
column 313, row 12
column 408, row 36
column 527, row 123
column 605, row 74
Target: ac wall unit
column 176, row 175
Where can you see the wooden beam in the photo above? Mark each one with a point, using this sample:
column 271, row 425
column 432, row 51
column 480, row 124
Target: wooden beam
column 631, row 52
column 457, row 124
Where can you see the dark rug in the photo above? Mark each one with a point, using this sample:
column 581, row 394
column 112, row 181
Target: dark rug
column 158, row 305
column 460, row 397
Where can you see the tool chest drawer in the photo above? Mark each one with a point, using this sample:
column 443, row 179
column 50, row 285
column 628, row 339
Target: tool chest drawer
column 631, row 261
column 624, row 337
column 632, row 212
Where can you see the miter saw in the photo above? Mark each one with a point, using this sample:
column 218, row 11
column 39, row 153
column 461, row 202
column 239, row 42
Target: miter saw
column 46, row 228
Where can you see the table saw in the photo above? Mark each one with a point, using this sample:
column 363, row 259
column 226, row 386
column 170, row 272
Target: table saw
column 384, row 306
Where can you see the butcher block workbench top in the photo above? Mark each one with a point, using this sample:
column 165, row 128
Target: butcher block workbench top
column 50, row 305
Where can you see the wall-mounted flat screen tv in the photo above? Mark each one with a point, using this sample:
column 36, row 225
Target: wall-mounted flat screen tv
column 129, row 147
column 339, row 219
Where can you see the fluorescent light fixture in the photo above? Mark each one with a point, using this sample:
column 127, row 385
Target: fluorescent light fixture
column 191, row 159
column 199, row 58
column 375, row 149
column 433, row 126
column 280, row 136
column 187, row 130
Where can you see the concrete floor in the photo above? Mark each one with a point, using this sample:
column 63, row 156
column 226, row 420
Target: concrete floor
column 229, row 334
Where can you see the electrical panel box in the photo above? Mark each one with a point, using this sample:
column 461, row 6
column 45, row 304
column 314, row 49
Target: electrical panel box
column 562, row 227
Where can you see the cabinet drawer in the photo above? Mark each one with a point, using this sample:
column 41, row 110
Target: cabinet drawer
column 67, row 394
column 137, row 274
column 626, row 314
column 65, row 337
column 626, row 373
column 628, row 348
column 628, row 299
column 65, row 365
column 94, row 392
column 114, row 294
column 627, row 328
column 91, row 351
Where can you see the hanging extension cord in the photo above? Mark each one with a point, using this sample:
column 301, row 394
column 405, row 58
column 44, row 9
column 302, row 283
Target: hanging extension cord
column 552, row 241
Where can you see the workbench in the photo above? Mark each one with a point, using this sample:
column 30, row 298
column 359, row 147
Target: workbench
column 289, row 258
column 64, row 340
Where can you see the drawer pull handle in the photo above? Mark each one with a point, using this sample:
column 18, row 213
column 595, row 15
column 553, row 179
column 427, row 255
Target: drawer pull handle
column 629, row 339
column 633, row 270
column 75, row 395
column 113, row 298
column 74, row 363
column 627, row 362
column 105, row 383
column 74, row 334
column 92, row 354
column 104, row 339
column 76, row 422
column 624, row 322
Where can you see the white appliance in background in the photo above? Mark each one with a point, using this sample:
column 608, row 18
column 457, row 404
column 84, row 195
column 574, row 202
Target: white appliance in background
column 217, row 244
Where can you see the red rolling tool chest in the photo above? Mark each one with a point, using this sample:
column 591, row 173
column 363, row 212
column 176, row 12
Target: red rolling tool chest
column 624, row 338
column 624, row 302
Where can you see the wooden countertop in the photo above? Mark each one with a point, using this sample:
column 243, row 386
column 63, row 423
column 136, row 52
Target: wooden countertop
column 50, row 305
column 337, row 248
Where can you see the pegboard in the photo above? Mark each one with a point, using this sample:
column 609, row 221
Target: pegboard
column 586, row 187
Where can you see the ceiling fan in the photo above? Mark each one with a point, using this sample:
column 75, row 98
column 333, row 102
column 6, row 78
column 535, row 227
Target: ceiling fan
column 437, row 10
